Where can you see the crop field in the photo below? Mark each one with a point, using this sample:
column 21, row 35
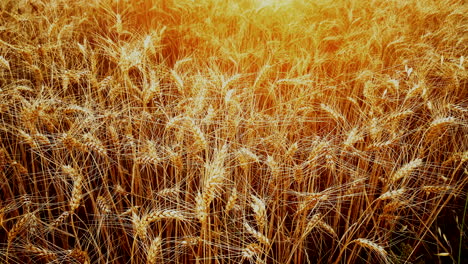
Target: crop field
column 224, row 131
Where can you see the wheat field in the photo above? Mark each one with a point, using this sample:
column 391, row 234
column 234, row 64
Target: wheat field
column 248, row 131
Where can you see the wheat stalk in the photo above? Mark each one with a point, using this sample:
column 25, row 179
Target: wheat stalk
column 41, row 252
column 393, row 206
column 79, row 255
column 392, row 194
column 372, row 246
column 94, row 144
column 316, row 221
column 437, row 126
column 299, row 173
column 353, row 137
column 154, row 251
column 252, row 250
column 259, row 236
column 42, row 139
column 28, row 139
column 230, row 204
column 19, row 227
column 291, row 151
column 103, row 205
column 199, row 138
column 157, row 215
column 436, row 188
column 259, row 208
column 310, row 200
column 169, row 191
column 201, row 208
column 406, row 170
column 397, row 117
column 59, row 220
column 71, row 143
column 4, row 63
column 19, row 167
column 214, row 175
column 77, row 191
column 332, row 112
column 176, row 159
column 245, row 157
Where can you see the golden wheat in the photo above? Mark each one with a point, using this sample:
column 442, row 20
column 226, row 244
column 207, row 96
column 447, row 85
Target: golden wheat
column 406, row 170
column 232, row 131
column 372, row 246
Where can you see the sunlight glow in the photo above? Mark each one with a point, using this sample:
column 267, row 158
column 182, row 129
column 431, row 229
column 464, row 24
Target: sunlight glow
column 272, row 3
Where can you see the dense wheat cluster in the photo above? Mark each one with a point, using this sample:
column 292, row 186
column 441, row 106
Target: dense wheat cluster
column 212, row 131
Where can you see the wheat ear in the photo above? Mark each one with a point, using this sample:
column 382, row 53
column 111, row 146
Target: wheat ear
column 259, row 236
column 259, row 208
column 231, row 201
column 154, row 251
column 406, row 170
column 316, row 221
column 41, row 252
column 77, row 192
column 372, row 246
column 19, row 227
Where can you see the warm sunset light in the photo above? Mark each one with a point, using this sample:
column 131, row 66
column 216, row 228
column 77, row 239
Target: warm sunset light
column 233, row 131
